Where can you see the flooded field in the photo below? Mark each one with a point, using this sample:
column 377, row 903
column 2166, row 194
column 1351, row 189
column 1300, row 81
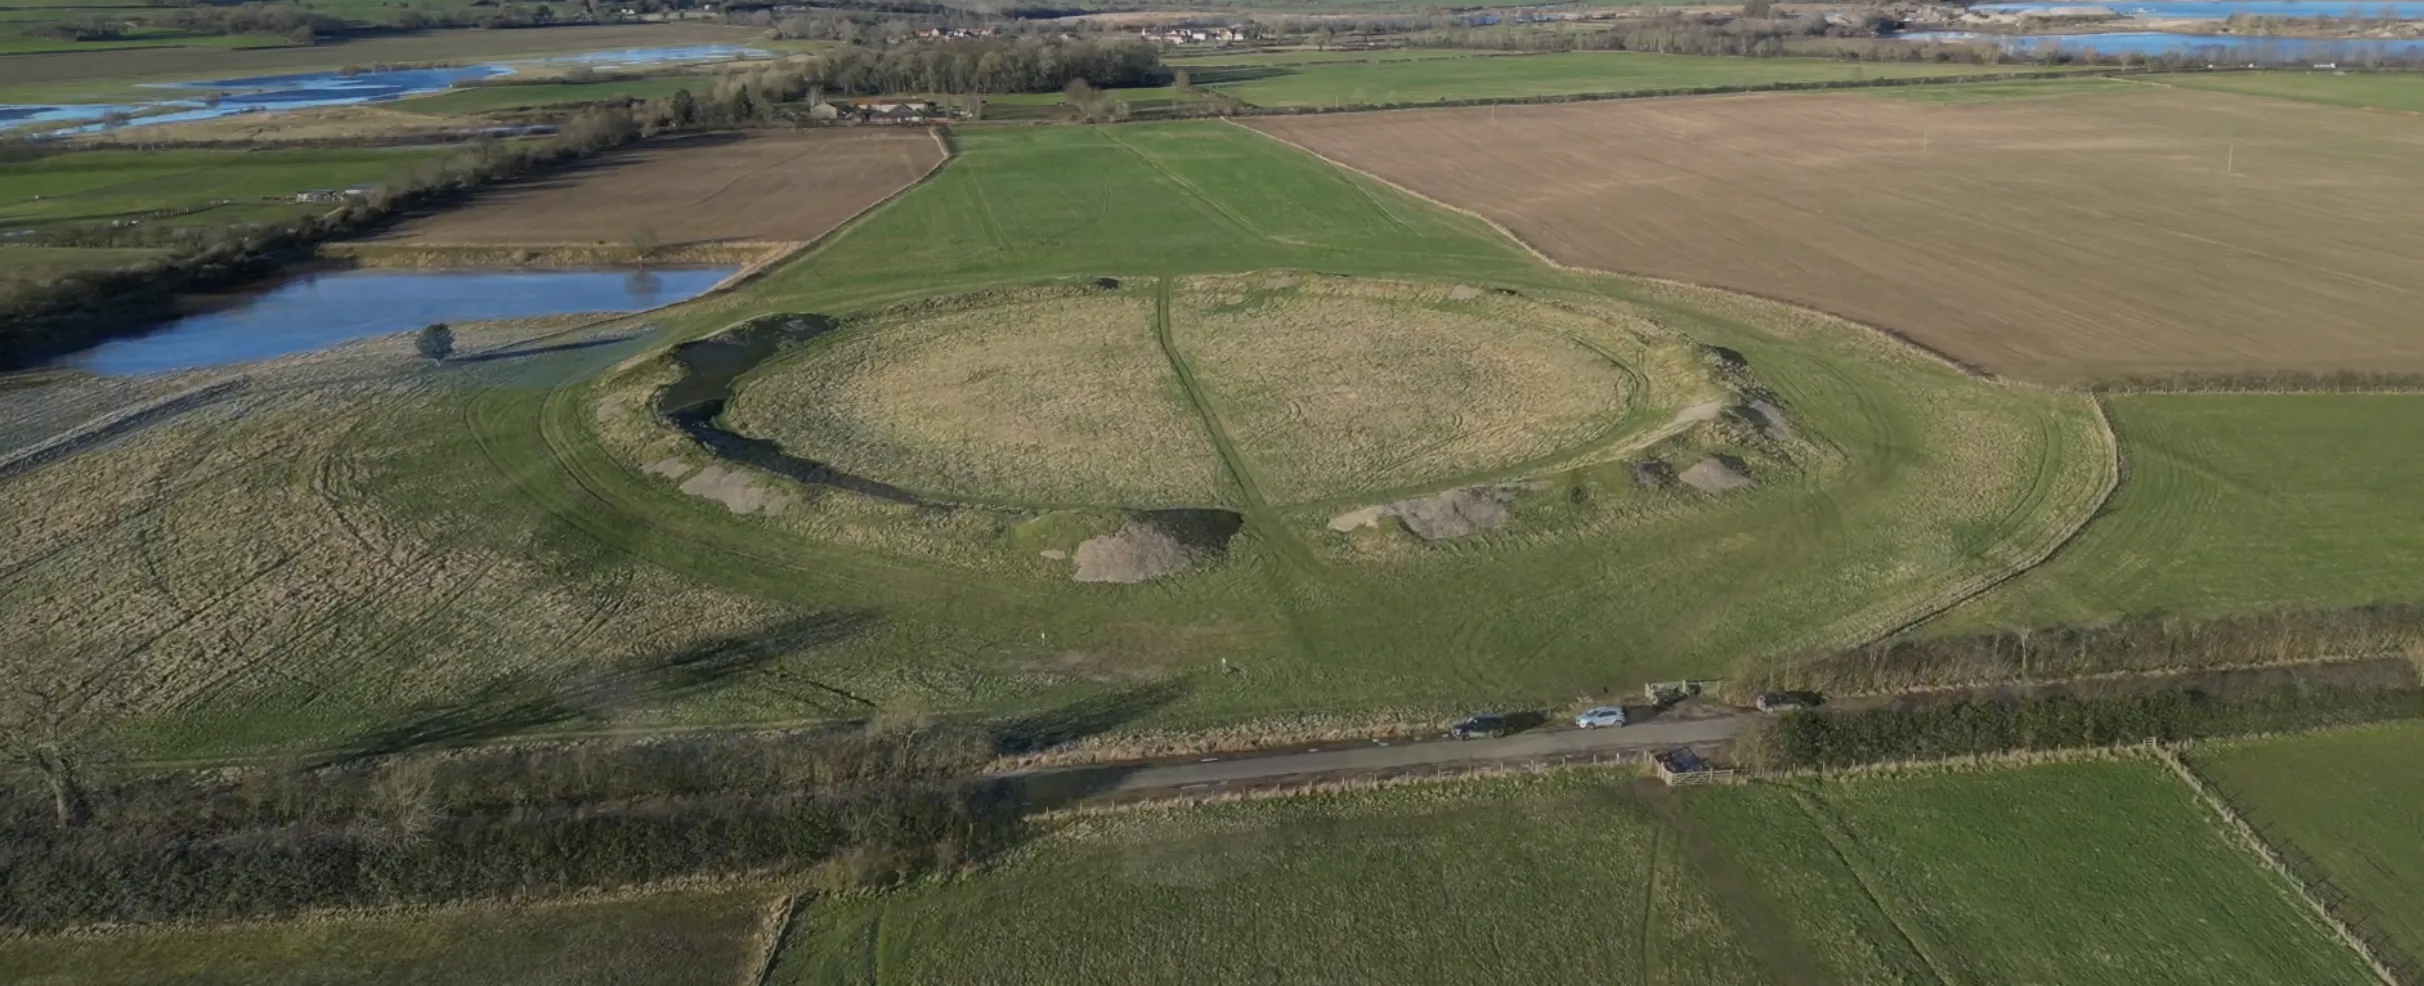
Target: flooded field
column 212, row 98
column 320, row 310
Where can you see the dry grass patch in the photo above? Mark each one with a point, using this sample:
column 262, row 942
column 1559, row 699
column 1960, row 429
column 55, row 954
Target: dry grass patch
column 1330, row 390
column 761, row 188
column 1063, row 400
column 2119, row 233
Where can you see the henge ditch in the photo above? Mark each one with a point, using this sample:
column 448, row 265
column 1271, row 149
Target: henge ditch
column 694, row 403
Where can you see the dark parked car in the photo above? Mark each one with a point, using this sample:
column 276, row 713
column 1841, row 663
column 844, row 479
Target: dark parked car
column 1488, row 725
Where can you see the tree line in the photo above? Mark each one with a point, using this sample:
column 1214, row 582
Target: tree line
column 992, row 65
column 2138, row 644
column 850, row 807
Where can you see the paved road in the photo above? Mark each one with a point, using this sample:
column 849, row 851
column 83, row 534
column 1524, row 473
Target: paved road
column 1547, row 746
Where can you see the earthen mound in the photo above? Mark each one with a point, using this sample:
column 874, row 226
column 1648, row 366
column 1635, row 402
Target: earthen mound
column 1717, row 474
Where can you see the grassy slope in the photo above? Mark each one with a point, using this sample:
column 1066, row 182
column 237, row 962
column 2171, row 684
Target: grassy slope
column 482, row 99
column 1547, row 880
column 2239, row 502
column 1960, row 94
column 2090, row 872
column 1542, row 75
column 2324, row 795
column 676, row 938
column 2386, row 90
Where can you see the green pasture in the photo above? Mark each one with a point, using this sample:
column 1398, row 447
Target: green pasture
column 2331, row 798
column 2070, row 873
column 1569, row 879
column 669, row 939
column 17, row 44
column 2105, row 872
column 87, row 187
column 32, row 263
column 2372, row 90
column 483, row 99
column 2240, row 502
column 1193, row 60
column 1538, row 75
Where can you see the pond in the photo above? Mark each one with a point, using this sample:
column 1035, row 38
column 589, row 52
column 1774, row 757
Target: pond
column 2217, row 9
column 212, row 98
column 321, row 309
column 2231, row 49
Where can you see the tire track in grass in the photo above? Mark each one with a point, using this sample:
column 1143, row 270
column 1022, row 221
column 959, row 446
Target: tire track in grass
column 1240, row 223
column 1842, row 842
column 1294, row 556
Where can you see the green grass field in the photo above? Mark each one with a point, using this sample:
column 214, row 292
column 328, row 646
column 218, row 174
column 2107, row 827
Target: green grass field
column 2070, row 873
column 2324, row 796
column 2402, row 91
column 2105, row 872
column 671, row 939
column 1536, row 75
column 18, row 44
column 2240, row 502
column 24, row 263
column 224, row 186
column 1547, row 880
column 483, row 99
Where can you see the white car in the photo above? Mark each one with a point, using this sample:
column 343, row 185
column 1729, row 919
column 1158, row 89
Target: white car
column 1605, row 715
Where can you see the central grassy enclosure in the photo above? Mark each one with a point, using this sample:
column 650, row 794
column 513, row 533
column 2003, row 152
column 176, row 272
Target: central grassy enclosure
column 1135, row 396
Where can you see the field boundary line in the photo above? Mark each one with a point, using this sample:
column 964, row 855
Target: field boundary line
column 776, row 927
column 2116, row 461
column 2271, row 858
column 1897, row 339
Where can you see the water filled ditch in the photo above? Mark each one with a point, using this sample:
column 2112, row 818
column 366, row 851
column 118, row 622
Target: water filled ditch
column 321, row 309
column 695, row 404
column 2219, row 9
column 2229, row 49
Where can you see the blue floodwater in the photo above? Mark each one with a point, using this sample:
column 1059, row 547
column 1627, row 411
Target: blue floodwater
column 2395, row 10
column 317, row 311
column 270, row 93
column 2232, row 49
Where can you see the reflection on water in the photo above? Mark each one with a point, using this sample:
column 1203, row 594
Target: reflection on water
column 2223, row 48
column 319, row 310
column 269, row 93
column 2394, row 10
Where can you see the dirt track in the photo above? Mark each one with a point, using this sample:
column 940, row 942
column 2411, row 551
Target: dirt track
column 2053, row 238
column 782, row 188
column 1212, row 775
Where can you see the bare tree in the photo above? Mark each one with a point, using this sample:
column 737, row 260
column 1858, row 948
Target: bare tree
column 54, row 713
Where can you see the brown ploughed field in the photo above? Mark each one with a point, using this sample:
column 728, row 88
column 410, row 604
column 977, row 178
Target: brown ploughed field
column 772, row 188
column 2063, row 239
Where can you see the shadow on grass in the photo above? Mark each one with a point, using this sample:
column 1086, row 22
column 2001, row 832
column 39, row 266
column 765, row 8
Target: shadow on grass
column 509, row 352
column 1094, row 715
column 522, row 702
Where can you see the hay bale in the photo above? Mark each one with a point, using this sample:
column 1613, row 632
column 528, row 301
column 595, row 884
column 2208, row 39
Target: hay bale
column 1717, row 474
